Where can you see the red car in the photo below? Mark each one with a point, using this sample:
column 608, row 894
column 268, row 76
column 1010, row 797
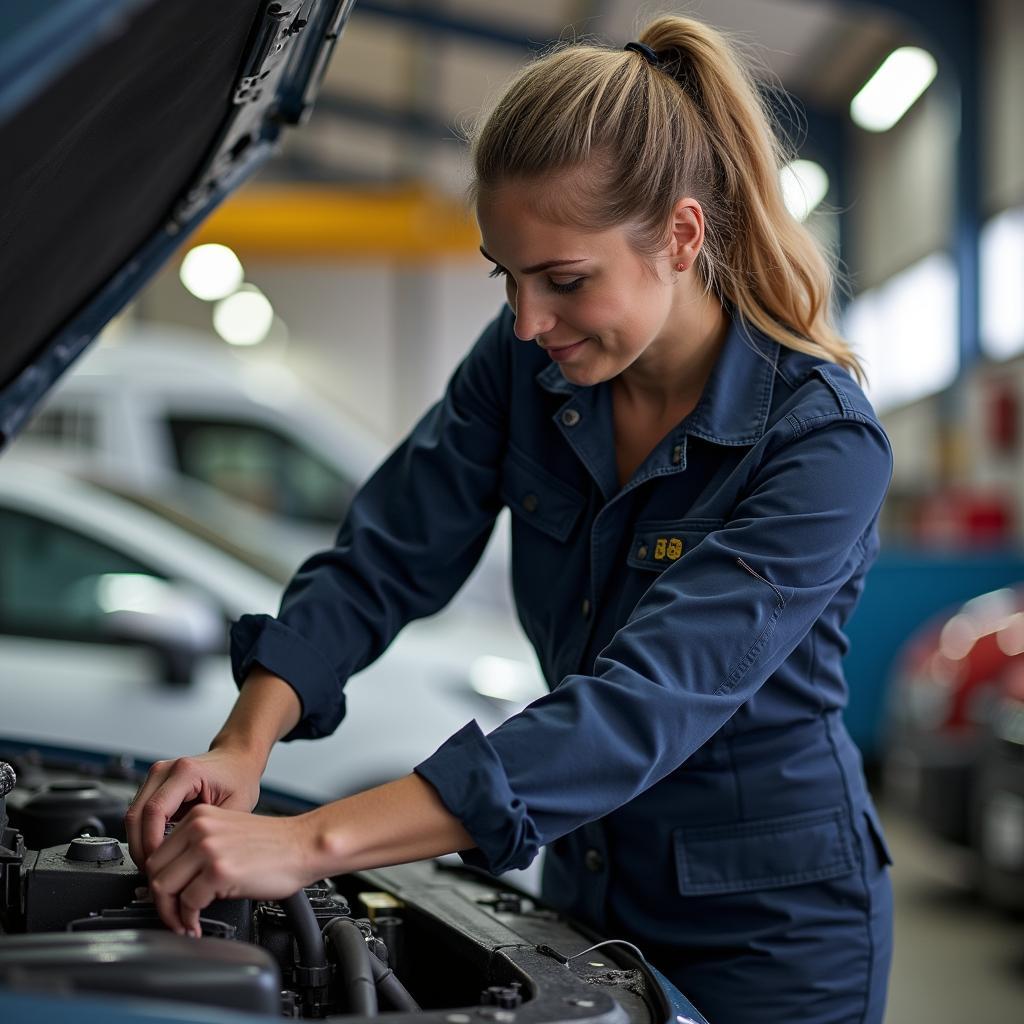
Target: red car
column 947, row 682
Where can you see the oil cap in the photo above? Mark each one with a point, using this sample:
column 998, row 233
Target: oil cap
column 95, row 849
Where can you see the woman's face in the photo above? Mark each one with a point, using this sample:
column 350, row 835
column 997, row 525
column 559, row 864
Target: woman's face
column 587, row 298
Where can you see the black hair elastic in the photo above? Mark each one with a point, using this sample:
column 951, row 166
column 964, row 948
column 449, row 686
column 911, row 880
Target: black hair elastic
column 646, row 52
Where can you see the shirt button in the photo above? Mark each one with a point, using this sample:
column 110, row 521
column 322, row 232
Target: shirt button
column 530, row 503
column 570, row 417
column 585, row 608
column 641, row 552
column 593, row 861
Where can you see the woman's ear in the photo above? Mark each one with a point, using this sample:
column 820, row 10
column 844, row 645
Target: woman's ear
column 687, row 233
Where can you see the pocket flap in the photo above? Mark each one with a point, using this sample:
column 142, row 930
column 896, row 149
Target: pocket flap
column 659, row 543
column 877, row 836
column 766, row 854
column 538, row 496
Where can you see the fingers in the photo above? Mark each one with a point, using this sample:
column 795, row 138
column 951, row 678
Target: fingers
column 168, row 785
column 187, row 873
column 166, row 897
column 170, row 869
column 200, row 892
column 217, row 853
column 133, row 817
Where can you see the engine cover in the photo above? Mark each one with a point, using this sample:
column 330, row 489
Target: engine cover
column 154, row 965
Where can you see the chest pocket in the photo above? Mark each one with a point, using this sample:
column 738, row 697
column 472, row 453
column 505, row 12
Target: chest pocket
column 538, row 497
column 657, row 543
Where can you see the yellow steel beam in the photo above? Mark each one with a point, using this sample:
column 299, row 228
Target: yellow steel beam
column 326, row 223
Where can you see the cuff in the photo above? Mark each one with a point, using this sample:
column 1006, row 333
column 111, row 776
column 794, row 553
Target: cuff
column 471, row 782
column 261, row 639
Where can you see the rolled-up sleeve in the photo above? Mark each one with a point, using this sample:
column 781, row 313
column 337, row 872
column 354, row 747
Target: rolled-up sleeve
column 411, row 538
column 713, row 627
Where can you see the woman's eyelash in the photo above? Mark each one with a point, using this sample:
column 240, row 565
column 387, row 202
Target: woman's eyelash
column 562, row 289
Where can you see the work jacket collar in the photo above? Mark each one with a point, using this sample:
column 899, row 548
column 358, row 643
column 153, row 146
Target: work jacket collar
column 733, row 408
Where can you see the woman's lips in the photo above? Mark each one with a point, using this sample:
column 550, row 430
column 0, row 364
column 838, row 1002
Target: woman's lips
column 561, row 354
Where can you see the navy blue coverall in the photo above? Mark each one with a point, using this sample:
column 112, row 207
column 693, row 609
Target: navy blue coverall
column 689, row 771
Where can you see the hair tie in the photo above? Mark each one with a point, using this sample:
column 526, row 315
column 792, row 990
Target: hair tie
column 646, row 52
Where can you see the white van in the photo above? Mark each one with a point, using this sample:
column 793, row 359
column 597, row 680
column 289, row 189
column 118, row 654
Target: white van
column 156, row 402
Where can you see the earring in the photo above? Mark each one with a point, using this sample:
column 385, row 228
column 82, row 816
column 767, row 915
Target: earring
column 680, row 267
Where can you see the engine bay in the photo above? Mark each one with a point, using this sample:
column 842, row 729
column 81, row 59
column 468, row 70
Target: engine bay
column 441, row 942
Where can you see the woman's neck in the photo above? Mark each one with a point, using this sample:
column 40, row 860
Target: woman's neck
column 670, row 376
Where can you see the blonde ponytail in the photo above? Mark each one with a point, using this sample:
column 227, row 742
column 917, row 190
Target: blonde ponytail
column 695, row 125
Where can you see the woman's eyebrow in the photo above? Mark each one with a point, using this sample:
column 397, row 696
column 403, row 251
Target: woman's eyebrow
column 547, row 265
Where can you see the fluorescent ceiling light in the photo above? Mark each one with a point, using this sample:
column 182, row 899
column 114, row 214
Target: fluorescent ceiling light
column 891, row 91
column 211, row 272
column 244, row 318
column 804, row 185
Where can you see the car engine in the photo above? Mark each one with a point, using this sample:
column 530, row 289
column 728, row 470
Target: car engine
column 443, row 942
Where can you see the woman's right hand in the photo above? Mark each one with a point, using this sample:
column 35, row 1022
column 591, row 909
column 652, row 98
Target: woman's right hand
column 223, row 777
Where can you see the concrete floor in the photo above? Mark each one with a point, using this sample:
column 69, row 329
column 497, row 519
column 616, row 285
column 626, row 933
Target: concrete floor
column 956, row 961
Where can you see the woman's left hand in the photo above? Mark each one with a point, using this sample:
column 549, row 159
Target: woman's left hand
column 215, row 853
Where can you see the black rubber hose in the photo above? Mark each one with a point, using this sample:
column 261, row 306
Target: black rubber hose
column 306, row 929
column 354, row 959
column 388, row 985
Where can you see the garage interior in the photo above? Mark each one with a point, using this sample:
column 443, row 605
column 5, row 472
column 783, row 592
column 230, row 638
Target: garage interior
column 338, row 289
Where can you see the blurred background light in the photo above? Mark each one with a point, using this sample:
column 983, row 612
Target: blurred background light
column 503, row 679
column 891, row 91
column 211, row 272
column 1002, row 276
column 804, row 186
column 244, row 318
column 129, row 592
column 906, row 332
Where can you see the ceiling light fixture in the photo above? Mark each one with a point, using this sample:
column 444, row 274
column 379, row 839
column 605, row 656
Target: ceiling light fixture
column 244, row 318
column 892, row 90
column 211, row 272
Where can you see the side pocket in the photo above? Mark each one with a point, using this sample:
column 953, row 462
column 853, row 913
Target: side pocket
column 767, row 854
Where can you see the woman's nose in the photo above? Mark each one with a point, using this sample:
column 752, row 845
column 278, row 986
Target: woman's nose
column 532, row 319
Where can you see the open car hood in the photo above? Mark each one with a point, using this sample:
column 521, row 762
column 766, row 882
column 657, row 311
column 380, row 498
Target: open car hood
column 123, row 123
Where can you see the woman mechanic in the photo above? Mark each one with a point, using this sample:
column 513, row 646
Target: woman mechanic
column 695, row 478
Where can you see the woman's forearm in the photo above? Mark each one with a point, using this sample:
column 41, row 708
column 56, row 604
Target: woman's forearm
column 267, row 708
column 398, row 822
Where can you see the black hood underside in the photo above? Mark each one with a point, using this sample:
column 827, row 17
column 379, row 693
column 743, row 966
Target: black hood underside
column 91, row 169
column 122, row 124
